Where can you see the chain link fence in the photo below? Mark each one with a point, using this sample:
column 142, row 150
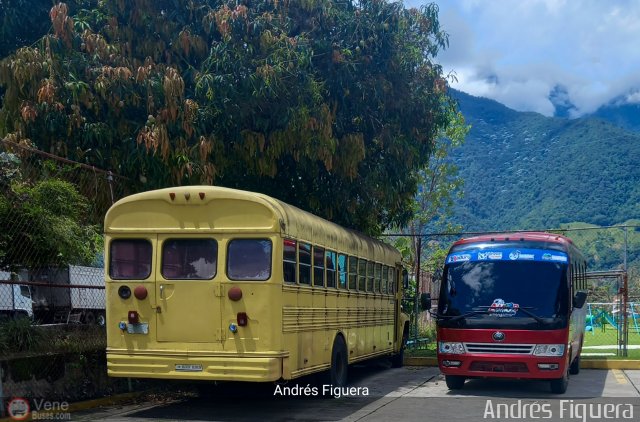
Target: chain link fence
column 611, row 252
column 52, row 289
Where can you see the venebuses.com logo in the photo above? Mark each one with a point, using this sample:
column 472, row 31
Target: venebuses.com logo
column 20, row 409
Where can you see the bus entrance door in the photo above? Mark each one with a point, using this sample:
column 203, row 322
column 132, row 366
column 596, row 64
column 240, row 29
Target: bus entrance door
column 187, row 292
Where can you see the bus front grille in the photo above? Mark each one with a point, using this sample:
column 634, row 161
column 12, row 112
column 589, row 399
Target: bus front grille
column 498, row 348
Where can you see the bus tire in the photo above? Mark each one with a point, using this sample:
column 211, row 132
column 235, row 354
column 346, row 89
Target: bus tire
column 339, row 363
column 559, row 386
column 574, row 369
column 454, row 382
column 397, row 360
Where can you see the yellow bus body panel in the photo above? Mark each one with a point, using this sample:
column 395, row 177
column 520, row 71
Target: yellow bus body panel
column 291, row 327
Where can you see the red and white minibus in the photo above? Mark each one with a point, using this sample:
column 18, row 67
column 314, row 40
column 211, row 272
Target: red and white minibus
column 512, row 306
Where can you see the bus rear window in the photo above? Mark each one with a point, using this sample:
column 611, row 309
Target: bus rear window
column 249, row 259
column 130, row 259
column 190, row 259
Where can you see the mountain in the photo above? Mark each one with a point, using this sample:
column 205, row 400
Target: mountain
column 626, row 116
column 528, row 171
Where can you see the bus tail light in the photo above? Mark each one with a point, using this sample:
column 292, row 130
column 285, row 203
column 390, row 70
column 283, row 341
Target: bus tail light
column 133, row 317
column 243, row 319
column 140, row 292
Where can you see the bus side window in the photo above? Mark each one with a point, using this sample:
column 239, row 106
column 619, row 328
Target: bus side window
column 353, row 273
column 304, row 256
column 392, row 281
column 330, row 258
column 377, row 274
column 318, row 266
column 289, row 260
column 342, row 271
column 385, row 279
column 362, row 274
column 369, row 276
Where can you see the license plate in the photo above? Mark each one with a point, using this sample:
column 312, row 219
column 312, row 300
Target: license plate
column 140, row 328
column 188, row 368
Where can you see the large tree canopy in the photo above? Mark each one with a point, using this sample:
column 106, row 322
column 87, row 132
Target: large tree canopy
column 330, row 105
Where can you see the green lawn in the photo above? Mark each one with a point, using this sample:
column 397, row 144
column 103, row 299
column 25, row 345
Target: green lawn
column 609, row 337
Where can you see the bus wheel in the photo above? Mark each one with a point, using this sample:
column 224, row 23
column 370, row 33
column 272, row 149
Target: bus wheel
column 339, row 363
column 574, row 369
column 397, row 360
column 454, row 382
column 559, row 386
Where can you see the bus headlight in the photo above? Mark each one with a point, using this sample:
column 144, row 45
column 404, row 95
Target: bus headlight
column 548, row 350
column 449, row 347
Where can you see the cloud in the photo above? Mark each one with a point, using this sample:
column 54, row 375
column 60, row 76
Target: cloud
column 518, row 52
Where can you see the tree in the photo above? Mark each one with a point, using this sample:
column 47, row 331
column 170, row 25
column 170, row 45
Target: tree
column 333, row 106
column 42, row 224
column 432, row 210
column 439, row 185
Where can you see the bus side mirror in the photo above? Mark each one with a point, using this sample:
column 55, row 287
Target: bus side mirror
column 579, row 299
column 405, row 279
column 425, row 301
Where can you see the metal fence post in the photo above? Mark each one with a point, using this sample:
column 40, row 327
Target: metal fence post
column 416, row 307
column 2, row 412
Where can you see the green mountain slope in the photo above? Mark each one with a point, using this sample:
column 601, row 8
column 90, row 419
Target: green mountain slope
column 528, row 171
column 626, row 116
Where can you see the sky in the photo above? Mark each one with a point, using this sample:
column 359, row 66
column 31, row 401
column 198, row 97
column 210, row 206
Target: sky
column 581, row 53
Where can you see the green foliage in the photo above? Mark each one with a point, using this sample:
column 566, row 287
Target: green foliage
column 439, row 186
column 43, row 225
column 307, row 101
column 18, row 335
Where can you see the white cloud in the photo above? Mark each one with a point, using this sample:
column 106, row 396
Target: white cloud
column 516, row 52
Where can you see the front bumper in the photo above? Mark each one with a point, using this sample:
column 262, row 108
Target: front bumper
column 501, row 366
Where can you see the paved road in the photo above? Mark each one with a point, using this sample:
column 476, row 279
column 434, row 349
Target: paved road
column 404, row 394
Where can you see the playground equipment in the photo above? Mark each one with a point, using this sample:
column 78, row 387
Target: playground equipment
column 603, row 316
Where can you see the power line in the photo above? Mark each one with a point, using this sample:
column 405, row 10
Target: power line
column 476, row 233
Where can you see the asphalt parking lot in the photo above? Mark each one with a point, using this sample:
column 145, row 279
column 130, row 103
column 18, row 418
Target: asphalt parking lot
column 408, row 394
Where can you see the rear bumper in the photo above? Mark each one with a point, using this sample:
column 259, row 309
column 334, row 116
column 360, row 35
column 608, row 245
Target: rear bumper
column 502, row 366
column 217, row 367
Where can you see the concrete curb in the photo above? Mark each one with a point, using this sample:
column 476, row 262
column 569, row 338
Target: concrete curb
column 584, row 363
column 420, row 361
column 609, row 364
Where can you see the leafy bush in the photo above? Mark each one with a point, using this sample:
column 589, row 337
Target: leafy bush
column 46, row 220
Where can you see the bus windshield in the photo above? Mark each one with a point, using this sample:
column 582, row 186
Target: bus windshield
column 504, row 293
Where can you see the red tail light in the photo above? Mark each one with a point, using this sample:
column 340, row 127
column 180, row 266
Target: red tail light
column 243, row 319
column 140, row 292
column 133, row 317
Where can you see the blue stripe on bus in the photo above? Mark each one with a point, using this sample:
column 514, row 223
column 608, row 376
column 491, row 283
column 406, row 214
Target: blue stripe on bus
column 501, row 254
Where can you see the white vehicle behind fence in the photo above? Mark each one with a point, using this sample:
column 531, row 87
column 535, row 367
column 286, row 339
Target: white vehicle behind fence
column 55, row 300
column 15, row 299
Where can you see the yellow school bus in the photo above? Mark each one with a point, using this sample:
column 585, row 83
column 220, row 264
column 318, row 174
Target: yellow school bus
column 210, row 283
